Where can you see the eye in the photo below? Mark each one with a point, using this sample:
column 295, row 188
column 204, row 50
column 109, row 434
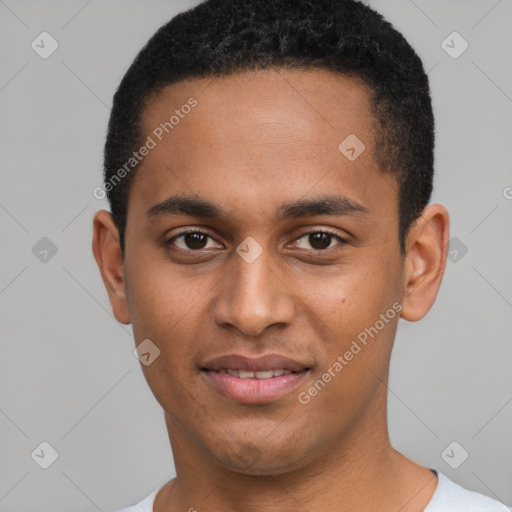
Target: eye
column 319, row 240
column 193, row 240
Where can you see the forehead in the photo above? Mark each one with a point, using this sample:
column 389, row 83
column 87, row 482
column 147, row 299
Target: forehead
column 304, row 104
column 275, row 132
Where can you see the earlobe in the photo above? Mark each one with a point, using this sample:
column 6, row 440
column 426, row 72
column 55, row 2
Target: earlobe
column 108, row 256
column 426, row 253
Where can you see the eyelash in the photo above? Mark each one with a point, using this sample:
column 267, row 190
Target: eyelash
column 340, row 239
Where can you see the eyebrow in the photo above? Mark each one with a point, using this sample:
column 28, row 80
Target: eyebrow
column 323, row 205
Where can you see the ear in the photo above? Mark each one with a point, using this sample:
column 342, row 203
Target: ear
column 425, row 261
column 107, row 252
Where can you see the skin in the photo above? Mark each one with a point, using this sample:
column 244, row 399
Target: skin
column 257, row 140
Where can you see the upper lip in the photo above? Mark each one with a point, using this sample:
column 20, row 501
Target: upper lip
column 254, row 364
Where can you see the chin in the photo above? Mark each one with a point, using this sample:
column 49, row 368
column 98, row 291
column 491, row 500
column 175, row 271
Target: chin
column 252, row 459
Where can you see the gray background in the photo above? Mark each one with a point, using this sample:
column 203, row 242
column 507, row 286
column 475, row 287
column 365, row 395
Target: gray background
column 67, row 372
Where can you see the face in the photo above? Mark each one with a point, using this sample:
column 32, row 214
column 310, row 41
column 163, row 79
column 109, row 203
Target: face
column 282, row 246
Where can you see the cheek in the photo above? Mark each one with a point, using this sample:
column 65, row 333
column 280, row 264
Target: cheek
column 358, row 341
column 168, row 311
column 352, row 300
column 172, row 311
column 350, row 306
column 161, row 301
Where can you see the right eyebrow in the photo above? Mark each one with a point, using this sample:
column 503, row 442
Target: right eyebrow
column 186, row 205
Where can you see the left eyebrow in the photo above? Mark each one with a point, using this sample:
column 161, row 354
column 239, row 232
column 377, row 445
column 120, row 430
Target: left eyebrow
column 324, row 205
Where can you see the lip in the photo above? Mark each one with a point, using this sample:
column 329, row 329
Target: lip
column 254, row 390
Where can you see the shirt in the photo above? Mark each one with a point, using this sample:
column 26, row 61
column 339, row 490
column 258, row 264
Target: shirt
column 448, row 497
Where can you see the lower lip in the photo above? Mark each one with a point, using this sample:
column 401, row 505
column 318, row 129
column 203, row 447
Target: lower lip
column 254, row 390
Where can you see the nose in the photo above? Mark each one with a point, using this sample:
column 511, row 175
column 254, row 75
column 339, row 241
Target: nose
column 253, row 297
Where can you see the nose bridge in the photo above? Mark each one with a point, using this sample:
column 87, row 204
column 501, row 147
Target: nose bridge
column 253, row 296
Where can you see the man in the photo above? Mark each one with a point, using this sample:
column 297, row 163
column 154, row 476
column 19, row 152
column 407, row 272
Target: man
column 269, row 166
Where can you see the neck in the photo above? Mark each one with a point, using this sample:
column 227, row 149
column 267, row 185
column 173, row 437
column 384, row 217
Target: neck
column 362, row 472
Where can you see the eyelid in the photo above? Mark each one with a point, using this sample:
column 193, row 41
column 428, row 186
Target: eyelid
column 192, row 229
column 323, row 230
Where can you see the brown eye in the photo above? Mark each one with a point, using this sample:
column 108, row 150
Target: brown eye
column 192, row 241
column 319, row 240
column 195, row 240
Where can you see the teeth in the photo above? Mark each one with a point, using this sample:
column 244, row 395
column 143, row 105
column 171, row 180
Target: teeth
column 263, row 374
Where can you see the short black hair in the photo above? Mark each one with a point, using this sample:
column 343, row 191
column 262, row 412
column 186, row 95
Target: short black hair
column 221, row 37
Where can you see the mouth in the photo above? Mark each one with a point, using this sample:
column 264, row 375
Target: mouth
column 254, row 380
column 262, row 374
